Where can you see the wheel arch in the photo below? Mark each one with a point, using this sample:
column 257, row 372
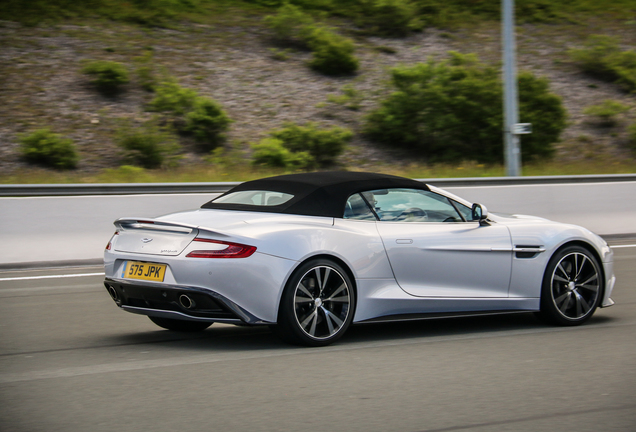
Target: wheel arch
column 342, row 263
column 591, row 249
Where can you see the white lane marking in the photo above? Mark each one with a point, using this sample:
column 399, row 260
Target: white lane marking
column 587, row 185
column 50, row 276
column 27, row 290
column 622, row 246
column 13, row 377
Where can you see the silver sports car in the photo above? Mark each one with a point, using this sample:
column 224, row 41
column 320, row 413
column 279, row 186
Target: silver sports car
column 310, row 254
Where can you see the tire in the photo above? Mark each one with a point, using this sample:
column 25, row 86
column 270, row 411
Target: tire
column 572, row 287
column 180, row 325
column 317, row 305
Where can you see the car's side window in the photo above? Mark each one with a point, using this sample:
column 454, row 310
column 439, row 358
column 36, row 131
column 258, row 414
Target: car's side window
column 356, row 208
column 466, row 212
column 413, row 205
column 255, row 198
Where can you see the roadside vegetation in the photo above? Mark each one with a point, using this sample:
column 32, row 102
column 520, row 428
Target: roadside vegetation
column 602, row 57
column 392, row 17
column 43, row 147
column 608, row 113
column 201, row 117
column 452, row 111
column 332, row 54
column 305, row 147
column 108, row 77
column 210, row 90
column 148, row 145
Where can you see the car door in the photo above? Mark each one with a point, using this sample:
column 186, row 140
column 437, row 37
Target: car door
column 436, row 251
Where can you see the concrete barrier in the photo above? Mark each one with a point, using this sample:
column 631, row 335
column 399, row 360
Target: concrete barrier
column 75, row 229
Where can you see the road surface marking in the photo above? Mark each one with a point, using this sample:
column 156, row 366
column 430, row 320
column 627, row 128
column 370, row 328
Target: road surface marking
column 50, row 276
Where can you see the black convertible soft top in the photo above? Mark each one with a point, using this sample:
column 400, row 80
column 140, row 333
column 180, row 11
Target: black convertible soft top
column 316, row 194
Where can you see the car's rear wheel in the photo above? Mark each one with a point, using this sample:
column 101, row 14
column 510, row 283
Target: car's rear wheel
column 317, row 305
column 180, row 325
column 572, row 287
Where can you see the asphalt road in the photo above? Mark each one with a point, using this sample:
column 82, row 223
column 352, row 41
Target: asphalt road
column 71, row 361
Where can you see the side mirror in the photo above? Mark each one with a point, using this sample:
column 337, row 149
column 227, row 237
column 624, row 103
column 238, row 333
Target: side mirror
column 480, row 213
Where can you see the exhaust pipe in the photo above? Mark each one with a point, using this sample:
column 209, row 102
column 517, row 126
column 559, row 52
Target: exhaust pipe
column 186, row 301
column 113, row 292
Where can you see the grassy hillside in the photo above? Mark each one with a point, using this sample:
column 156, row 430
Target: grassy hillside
column 224, row 51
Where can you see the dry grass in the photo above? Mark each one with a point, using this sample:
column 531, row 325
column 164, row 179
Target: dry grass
column 215, row 173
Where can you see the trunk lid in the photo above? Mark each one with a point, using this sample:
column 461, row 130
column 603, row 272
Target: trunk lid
column 152, row 237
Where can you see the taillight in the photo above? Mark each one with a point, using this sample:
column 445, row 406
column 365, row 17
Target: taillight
column 232, row 250
column 110, row 242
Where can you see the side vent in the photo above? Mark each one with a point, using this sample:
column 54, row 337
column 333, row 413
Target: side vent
column 527, row 251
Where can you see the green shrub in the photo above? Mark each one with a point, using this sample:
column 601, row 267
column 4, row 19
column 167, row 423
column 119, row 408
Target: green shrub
column 537, row 105
column 290, row 24
column 171, row 98
column 145, row 71
column 607, row 111
column 49, row 149
column 107, row 76
column 593, row 57
column 207, row 122
column 201, row 117
column 602, row 57
column 389, row 17
column 452, row 110
column 148, row 146
column 332, row 53
column 271, row 152
column 323, row 145
column 280, row 55
column 350, row 98
column 624, row 67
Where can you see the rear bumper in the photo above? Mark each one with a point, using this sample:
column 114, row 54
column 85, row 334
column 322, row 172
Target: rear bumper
column 147, row 298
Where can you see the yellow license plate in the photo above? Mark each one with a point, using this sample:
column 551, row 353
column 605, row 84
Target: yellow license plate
column 144, row 271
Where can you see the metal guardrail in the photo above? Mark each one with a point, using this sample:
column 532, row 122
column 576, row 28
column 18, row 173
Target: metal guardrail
column 26, row 190
column 29, row 190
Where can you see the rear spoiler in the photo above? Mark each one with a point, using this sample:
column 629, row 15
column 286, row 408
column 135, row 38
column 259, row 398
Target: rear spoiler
column 154, row 224
column 166, row 226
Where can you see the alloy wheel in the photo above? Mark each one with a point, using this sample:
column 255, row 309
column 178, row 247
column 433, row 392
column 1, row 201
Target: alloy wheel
column 575, row 286
column 322, row 302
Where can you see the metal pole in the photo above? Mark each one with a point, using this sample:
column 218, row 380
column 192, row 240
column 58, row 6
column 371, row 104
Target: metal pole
column 512, row 151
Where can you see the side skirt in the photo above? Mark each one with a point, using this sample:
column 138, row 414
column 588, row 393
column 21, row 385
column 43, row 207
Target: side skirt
column 426, row 316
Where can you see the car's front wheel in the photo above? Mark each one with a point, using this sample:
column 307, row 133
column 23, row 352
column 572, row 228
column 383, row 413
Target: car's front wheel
column 317, row 305
column 572, row 287
column 180, row 325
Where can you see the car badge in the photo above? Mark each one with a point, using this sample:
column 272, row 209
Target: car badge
column 146, row 240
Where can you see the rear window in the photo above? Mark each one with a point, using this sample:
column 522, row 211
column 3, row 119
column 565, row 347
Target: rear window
column 255, row 198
